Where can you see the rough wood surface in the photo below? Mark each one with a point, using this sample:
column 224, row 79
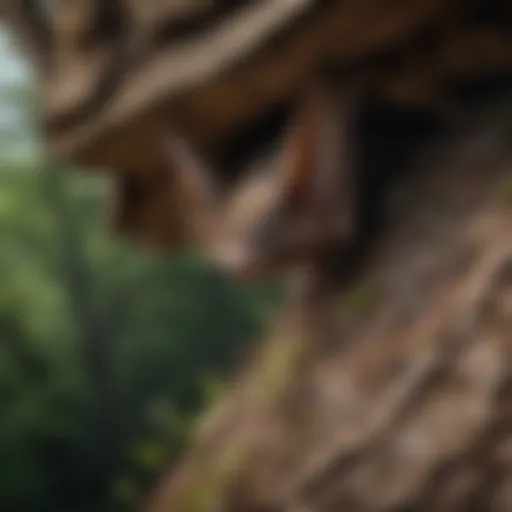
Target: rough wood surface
column 113, row 75
column 395, row 395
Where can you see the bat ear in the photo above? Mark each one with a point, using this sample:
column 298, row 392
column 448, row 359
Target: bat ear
column 194, row 179
column 195, row 184
column 316, row 148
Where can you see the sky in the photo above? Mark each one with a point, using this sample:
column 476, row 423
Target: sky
column 16, row 138
column 11, row 66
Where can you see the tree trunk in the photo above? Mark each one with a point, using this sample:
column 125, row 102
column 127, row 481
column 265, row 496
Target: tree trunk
column 397, row 394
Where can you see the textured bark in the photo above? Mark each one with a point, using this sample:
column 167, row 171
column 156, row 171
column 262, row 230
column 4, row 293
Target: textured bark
column 395, row 395
column 114, row 75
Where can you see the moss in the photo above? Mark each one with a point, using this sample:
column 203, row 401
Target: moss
column 201, row 498
column 211, row 421
column 358, row 301
column 282, row 358
column 279, row 366
column 505, row 191
column 232, row 463
column 216, row 479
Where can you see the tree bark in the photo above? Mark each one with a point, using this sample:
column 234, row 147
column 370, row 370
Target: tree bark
column 396, row 394
column 113, row 76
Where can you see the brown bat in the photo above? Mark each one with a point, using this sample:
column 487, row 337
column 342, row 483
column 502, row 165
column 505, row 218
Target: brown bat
column 293, row 206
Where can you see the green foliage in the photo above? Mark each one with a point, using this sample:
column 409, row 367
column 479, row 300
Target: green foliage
column 107, row 352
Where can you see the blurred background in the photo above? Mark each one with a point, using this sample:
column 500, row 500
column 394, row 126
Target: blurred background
column 110, row 352
column 107, row 352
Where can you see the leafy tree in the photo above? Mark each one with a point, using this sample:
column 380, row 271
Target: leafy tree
column 106, row 352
